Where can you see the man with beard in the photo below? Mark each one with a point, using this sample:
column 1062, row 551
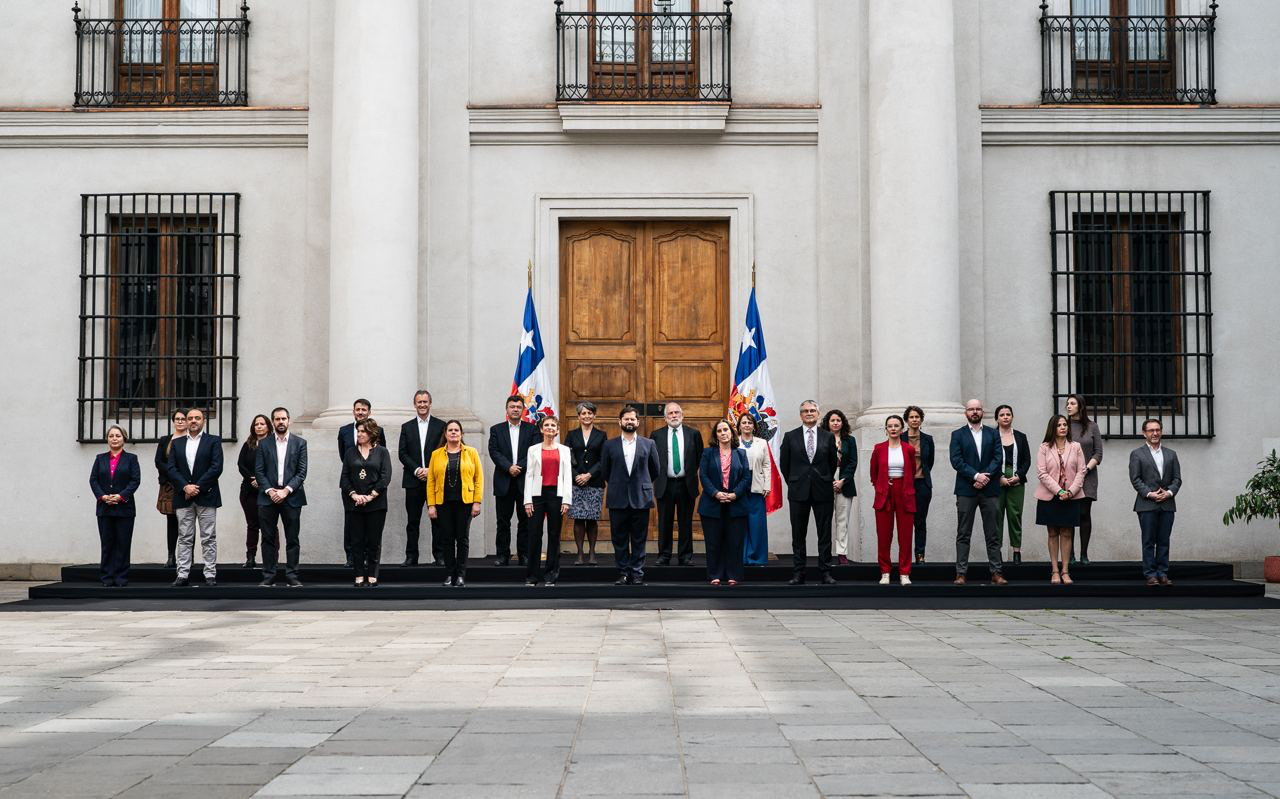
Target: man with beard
column 281, row 468
column 630, row 465
column 975, row 455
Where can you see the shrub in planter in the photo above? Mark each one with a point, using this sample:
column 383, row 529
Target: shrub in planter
column 1260, row 500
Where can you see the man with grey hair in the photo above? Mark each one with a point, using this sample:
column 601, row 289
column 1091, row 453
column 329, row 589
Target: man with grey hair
column 808, row 464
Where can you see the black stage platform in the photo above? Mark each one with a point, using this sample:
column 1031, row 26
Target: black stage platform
column 1113, row 584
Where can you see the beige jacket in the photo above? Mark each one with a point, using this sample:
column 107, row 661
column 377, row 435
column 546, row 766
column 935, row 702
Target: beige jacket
column 758, row 460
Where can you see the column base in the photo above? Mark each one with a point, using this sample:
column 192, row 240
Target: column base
column 938, row 417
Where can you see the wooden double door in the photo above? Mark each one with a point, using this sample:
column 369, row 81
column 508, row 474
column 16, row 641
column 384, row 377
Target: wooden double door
column 644, row 320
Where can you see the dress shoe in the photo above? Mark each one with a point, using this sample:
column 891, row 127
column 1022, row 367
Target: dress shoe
column 1084, row 560
column 637, row 580
column 372, row 583
column 796, row 581
column 1152, row 582
column 663, row 562
column 180, row 582
column 522, row 561
column 622, row 580
column 531, row 583
column 904, row 579
column 1163, row 580
column 842, row 560
column 884, row 578
column 448, row 582
column 458, row 582
column 686, row 561
column 919, row 558
column 294, row 582
column 348, row 564
column 171, row 563
column 211, row 583
column 502, row 561
column 437, row 562
column 827, row 579
column 998, row 579
column 960, row 580
column 550, row 584
column 251, row 562
column 1017, row 557
column 267, row 582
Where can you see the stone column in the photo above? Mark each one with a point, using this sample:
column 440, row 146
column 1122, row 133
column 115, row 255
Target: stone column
column 373, row 277
column 914, row 213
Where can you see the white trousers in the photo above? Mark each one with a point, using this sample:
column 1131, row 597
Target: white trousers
column 844, row 527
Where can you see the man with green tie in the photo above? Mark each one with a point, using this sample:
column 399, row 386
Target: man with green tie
column 679, row 452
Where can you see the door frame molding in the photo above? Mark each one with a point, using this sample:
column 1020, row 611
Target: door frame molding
column 738, row 209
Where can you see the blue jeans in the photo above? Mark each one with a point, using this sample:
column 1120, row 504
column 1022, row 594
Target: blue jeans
column 1156, row 526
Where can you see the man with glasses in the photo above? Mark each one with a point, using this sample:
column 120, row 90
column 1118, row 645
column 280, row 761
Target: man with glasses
column 808, row 464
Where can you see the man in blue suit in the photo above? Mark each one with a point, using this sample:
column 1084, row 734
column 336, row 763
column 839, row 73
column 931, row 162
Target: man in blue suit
column 630, row 465
column 975, row 455
column 281, row 469
column 195, row 464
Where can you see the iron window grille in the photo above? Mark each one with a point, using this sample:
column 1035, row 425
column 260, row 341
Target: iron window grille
column 162, row 53
column 637, row 50
column 1127, row 51
column 1131, row 308
column 159, row 312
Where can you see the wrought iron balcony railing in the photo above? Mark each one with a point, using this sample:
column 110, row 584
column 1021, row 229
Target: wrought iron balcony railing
column 663, row 50
column 167, row 61
column 1150, row 59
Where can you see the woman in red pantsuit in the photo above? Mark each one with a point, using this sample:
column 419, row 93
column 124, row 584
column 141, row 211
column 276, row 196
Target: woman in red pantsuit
column 893, row 469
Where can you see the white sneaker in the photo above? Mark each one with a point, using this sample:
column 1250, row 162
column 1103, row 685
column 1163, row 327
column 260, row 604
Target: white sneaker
column 905, row 580
column 884, row 579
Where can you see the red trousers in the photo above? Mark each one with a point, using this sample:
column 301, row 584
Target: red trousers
column 895, row 507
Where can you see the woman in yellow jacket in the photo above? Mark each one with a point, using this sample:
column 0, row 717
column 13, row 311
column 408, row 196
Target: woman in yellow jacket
column 455, row 484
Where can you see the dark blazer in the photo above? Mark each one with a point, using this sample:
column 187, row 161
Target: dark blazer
column 347, row 438
column 1023, row 464
column 502, row 456
column 969, row 463
column 926, row 454
column 295, row 470
column 808, row 482
column 690, row 458
column 848, row 466
column 410, row 448
column 245, row 463
column 208, row 470
column 162, row 460
column 125, row 483
column 880, row 475
column 712, row 479
column 633, row 490
column 1146, row 478
column 587, row 454
column 377, row 476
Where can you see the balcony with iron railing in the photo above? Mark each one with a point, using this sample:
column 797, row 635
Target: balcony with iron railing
column 643, row 50
column 1134, row 59
column 162, row 60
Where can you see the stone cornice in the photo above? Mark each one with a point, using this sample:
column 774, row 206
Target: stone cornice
column 221, row 127
column 673, row 123
column 1058, row 126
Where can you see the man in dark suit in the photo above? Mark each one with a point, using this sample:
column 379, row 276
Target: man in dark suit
column 419, row 437
column 509, row 443
column 360, row 411
column 808, row 464
column 281, row 468
column 195, row 464
column 676, row 489
column 1156, row 476
column 975, row 455
column 630, row 466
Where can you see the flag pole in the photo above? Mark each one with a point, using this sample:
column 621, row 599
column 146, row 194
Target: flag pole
column 531, row 274
column 753, row 274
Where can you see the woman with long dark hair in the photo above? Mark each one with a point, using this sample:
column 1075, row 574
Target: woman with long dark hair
column 259, row 429
column 164, row 500
column 1084, row 431
column 1060, row 467
column 726, row 483
column 755, row 550
column 922, row 443
column 843, row 486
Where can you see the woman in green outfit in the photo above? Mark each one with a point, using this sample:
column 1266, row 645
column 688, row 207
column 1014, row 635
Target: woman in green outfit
column 1015, row 460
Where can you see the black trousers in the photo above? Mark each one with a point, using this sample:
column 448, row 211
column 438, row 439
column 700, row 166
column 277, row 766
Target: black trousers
column 966, row 509
column 115, row 533
column 629, row 528
column 271, row 516
column 513, row 500
column 800, row 509
column 252, row 526
column 676, row 507
column 725, row 536
column 453, row 521
column 415, row 501
column 366, row 540
column 545, row 506
column 171, row 533
column 924, row 495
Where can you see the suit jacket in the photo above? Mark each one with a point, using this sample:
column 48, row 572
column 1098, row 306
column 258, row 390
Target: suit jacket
column 925, row 452
column 205, row 476
column 503, row 458
column 690, row 457
column 564, row 475
column 761, row 472
column 347, row 438
column 587, row 454
column 1053, row 478
column 880, row 475
column 808, row 482
column 634, row 490
column 162, row 460
column 410, row 448
column 1146, row 478
column 125, row 483
column 712, row 478
column 848, row 465
column 1022, row 456
column 969, row 462
column 376, row 471
column 267, row 468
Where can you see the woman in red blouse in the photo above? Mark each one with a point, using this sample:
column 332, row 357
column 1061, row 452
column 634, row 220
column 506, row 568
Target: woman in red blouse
column 115, row 478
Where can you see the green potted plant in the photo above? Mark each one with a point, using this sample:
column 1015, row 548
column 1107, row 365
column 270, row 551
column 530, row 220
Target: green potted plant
column 1260, row 500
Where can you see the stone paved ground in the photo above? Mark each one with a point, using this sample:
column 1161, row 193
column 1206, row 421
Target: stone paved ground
column 565, row 703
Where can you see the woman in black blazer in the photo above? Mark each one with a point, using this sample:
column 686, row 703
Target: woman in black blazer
column 259, row 429
column 922, row 443
column 842, row 516
column 164, row 503
column 115, row 478
column 366, row 473
column 586, row 447
column 1015, row 461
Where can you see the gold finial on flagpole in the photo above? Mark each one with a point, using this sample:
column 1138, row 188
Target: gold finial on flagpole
column 531, row 274
column 753, row 274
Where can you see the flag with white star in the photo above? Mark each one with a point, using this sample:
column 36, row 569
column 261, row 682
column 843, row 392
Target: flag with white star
column 752, row 393
column 531, row 380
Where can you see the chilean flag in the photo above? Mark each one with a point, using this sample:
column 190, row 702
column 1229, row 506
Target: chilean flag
column 531, row 381
column 753, row 393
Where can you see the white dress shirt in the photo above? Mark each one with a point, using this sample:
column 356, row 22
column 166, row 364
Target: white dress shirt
column 423, row 424
column 629, row 452
column 513, row 430
column 282, row 447
column 1157, row 455
column 193, row 446
column 976, row 432
column 672, row 432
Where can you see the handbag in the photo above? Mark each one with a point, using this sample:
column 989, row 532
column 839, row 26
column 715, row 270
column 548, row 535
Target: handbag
column 164, row 500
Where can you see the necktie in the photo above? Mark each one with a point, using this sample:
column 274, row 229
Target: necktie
column 810, row 446
column 675, row 451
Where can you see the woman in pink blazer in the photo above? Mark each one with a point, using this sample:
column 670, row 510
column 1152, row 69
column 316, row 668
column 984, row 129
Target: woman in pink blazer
column 1060, row 465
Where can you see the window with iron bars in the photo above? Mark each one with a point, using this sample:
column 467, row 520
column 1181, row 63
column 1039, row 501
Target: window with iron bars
column 159, row 279
column 1131, row 313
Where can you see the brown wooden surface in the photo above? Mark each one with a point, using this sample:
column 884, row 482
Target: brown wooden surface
column 644, row 319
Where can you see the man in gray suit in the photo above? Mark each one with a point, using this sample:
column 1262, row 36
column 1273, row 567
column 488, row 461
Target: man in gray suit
column 1157, row 477
column 630, row 465
column 281, row 468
